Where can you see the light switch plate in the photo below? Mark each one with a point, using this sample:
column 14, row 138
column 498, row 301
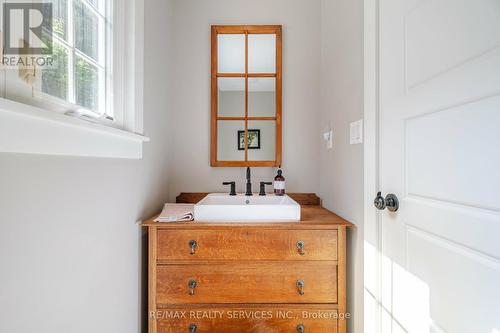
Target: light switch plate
column 328, row 137
column 356, row 132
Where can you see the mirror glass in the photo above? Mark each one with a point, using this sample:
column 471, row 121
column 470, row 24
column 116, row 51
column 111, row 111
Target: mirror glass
column 262, row 53
column 231, row 97
column 262, row 140
column 231, row 53
column 261, row 97
column 246, row 107
column 229, row 147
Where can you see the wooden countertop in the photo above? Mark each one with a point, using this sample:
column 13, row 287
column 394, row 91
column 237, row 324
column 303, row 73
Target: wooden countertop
column 312, row 216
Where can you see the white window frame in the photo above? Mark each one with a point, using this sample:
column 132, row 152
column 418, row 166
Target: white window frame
column 128, row 64
column 39, row 125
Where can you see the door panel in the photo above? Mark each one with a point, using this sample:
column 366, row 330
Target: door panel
column 462, row 278
column 439, row 139
column 442, row 35
column 474, row 228
column 451, row 145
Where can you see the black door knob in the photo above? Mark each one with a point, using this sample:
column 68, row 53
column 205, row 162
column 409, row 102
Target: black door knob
column 391, row 202
column 379, row 201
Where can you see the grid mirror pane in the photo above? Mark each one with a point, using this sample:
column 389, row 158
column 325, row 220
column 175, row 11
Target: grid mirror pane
column 262, row 146
column 231, row 96
column 262, row 53
column 231, row 53
column 261, row 97
column 229, row 144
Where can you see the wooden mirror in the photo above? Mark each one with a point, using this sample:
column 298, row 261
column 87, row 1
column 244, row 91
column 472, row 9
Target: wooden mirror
column 246, row 122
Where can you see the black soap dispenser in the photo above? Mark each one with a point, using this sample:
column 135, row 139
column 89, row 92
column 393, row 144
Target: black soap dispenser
column 279, row 183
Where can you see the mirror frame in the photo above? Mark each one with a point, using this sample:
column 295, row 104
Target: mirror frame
column 246, row 30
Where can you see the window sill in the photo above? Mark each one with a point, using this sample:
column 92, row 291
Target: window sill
column 31, row 130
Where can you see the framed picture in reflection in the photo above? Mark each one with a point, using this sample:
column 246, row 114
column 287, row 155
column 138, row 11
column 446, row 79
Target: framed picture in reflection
column 253, row 139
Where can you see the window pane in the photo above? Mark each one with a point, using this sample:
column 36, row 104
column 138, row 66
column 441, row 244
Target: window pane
column 55, row 78
column 100, row 5
column 93, row 2
column 86, row 30
column 59, row 17
column 86, row 84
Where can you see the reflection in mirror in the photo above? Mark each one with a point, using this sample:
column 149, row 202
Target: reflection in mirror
column 262, row 97
column 262, row 53
column 228, row 140
column 231, row 97
column 231, row 53
column 264, row 143
column 246, row 95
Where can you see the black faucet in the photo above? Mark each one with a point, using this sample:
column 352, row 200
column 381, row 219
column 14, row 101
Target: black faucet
column 249, row 183
column 263, row 188
column 233, row 187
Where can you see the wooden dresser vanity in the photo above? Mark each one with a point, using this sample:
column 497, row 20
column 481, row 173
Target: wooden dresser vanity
column 259, row 277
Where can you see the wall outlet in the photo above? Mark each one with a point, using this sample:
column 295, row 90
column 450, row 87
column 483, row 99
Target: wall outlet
column 356, row 132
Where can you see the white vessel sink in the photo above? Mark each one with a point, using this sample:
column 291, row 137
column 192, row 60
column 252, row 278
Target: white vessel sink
column 218, row 207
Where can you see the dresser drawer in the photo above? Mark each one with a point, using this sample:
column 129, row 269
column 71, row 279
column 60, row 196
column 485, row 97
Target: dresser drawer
column 264, row 282
column 247, row 244
column 248, row 319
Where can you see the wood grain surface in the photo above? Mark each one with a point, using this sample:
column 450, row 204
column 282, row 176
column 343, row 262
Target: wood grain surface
column 249, row 319
column 247, row 244
column 300, row 198
column 247, row 282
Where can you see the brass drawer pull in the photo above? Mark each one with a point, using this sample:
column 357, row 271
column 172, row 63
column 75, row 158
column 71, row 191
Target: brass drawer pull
column 301, row 247
column 192, row 285
column 193, row 245
column 300, row 286
column 301, row 328
column 193, row 328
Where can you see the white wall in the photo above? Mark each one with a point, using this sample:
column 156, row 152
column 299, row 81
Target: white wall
column 70, row 249
column 301, row 54
column 341, row 169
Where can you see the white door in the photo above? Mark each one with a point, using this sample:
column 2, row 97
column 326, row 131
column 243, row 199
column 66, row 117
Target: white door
column 439, row 153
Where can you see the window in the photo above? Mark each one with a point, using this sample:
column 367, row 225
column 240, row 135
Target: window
column 82, row 49
column 98, row 51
